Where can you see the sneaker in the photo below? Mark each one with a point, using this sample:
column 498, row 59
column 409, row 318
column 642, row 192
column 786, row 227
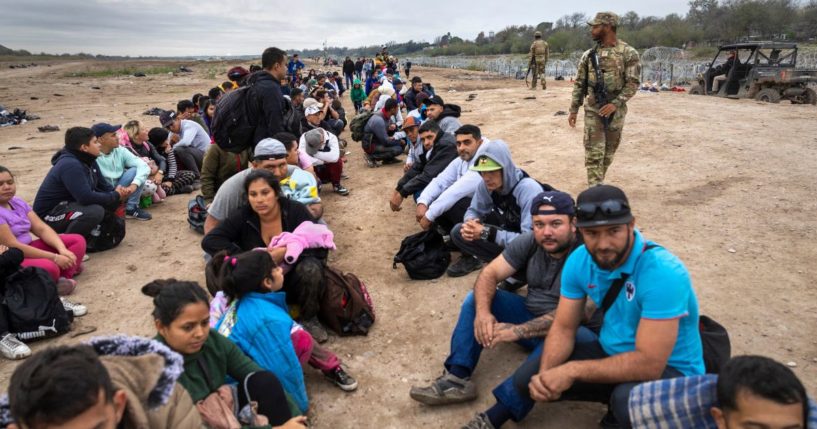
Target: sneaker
column 370, row 162
column 341, row 190
column 446, row 389
column 465, row 265
column 480, row 421
column 342, row 379
column 77, row 309
column 12, row 348
column 66, row 286
column 392, row 161
column 138, row 214
column 86, row 258
column 609, row 421
column 314, row 327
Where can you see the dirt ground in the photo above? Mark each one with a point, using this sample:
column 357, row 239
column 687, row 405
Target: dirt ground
column 727, row 185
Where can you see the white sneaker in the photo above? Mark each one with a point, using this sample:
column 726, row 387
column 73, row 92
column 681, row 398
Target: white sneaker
column 12, row 348
column 77, row 309
column 86, row 258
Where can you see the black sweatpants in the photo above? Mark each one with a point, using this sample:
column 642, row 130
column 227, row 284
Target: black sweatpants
column 74, row 218
column 264, row 388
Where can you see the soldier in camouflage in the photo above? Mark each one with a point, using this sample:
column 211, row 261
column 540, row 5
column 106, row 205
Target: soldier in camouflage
column 539, row 52
column 621, row 70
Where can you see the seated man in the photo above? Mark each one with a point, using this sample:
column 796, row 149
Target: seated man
column 490, row 316
column 446, row 199
column 74, row 196
column 445, row 114
column 722, row 72
column 294, row 155
column 187, row 110
column 411, row 128
column 218, row 166
column 116, row 382
column 120, row 167
column 376, row 135
column 495, row 216
column 411, row 95
column 191, row 141
column 439, row 150
column 649, row 331
column 323, row 150
column 270, row 155
column 750, row 391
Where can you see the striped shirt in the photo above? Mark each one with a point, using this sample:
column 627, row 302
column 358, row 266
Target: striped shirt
column 682, row 403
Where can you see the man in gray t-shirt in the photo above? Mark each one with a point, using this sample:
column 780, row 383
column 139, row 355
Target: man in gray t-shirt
column 491, row 316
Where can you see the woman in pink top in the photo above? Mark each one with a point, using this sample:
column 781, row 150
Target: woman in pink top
column 60, row 255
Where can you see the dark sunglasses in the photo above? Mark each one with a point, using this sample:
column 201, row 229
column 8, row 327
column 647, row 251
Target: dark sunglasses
column 611, row 208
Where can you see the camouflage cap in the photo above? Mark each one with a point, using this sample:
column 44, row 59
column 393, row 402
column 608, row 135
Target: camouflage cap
column 608, row 18
column 537, row 34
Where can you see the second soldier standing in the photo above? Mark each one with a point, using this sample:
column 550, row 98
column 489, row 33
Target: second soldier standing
column 539, row 52
column 620, row 69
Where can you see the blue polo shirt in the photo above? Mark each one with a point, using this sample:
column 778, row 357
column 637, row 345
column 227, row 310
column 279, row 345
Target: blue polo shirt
column 658, row 287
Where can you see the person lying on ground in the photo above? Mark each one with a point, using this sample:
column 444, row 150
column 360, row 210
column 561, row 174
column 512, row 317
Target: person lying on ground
column 218, row 166
column 445, row 114
column 187, row 110
column 267, row 214
column 649, row 332
column 174, row 180
column 378, row 130
column 120, row 167
column 74, row 196
column 491, row 316
column 253, row 314
column 411, row 95
column 749, row 391
column 495, row 216
column 446, row 199
column 323, row 150
column 181, row 314
column 58, row 254
column 113, row 382
column 294, row 155
column 190, row 141
column 439, row 149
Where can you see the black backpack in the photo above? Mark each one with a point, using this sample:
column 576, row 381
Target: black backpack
column 423, row 255
column 108, row 234
column 233, row 128
column 292, row 121
column 34, row 308
column 197, row 213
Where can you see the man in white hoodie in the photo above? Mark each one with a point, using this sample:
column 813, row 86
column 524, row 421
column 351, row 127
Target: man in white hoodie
column 446, row 199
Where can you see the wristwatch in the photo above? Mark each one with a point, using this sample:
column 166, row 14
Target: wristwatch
column 485, row 234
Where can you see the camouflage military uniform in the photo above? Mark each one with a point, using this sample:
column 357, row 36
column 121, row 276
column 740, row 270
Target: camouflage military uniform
column 621, row 68
column 539, row 52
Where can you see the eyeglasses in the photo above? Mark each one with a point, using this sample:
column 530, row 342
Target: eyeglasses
column 611, row 208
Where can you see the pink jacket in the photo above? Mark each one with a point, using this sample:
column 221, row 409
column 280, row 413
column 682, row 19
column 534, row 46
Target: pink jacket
column 308, row 235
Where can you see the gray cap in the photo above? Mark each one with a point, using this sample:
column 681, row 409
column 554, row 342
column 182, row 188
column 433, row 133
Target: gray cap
column 270, row 149
column 314, row 140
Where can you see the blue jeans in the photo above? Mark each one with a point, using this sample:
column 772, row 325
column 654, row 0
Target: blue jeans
column 587, row 347
column 507, row 307
column 125, row 181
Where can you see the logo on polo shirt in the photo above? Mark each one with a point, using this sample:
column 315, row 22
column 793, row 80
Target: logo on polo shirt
column 629, row 290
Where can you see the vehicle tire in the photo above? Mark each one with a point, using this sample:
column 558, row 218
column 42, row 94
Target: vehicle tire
column 696, row 90
column 768, row 95
column 810, row 96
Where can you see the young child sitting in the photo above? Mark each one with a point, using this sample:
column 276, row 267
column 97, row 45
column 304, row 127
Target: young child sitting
column 251, row 311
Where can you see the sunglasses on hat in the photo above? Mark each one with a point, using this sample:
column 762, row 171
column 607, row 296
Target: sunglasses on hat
column 609, row 208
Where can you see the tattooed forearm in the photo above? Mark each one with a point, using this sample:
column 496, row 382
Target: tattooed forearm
column 535, row 328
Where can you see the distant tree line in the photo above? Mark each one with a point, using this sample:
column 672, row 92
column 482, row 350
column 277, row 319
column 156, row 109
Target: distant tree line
column 707, row 23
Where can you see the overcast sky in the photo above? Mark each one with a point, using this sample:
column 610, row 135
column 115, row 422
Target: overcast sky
column 246, row 27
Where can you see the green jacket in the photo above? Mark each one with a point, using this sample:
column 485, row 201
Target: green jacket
column 218, row 166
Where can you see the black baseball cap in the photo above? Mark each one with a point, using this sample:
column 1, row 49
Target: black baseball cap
column 436, row 100
column 167, row 118
column 561, row 202
column 602, row 205
column 103, row 128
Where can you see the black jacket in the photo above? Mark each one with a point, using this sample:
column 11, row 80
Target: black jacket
column 348, row 67
column 424, row 171
column 75, row 176
column 241, row 231
column 10, row 261
column 268, row 105
column 411, row 99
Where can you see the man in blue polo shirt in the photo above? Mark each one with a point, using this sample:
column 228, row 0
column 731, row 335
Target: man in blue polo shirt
column 649, row 332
